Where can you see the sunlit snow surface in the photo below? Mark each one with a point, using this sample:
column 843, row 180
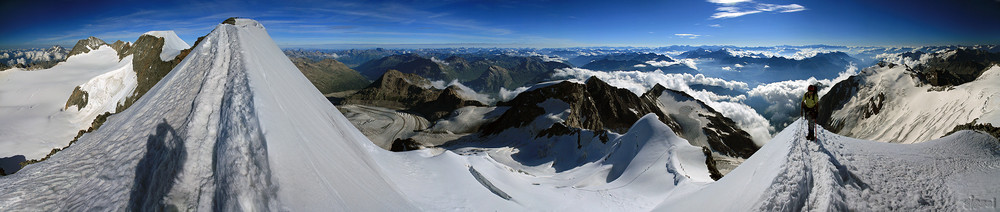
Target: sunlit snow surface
column 32, row 116
column 913, row 113
column 172, row 45
column 236, row 127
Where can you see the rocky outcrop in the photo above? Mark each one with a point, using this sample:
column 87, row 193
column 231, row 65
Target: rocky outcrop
column 395, row 90
column 402, row 145
column 329, row 75
column 123, row 48
column 86, row 45
column 449, row 100
column 987, row 128
column 148, row 66
column 411, row 93
column 700, row 123
column 510, row 72
column 834, row 100
column 405, row 63
column 77, row 98
column 594, row 105
column 230, row 21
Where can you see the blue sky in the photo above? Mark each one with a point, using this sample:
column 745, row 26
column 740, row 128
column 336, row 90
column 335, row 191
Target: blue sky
column 40, row 23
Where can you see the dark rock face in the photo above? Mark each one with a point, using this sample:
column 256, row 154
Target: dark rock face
column 401, row 91
column 148, row 66
column 875, row 104
column 405, row 63
column 123, row 48
column 713, row 169
column 329, row 75
column 230, row 21
column 402, row 145
column 835, row 100
column 449, row 100
column 722, row 133
column 85, row 45
column 594, row 106
column 78, row 98
column 511, row 72
column 395, row 90
column 965, row 65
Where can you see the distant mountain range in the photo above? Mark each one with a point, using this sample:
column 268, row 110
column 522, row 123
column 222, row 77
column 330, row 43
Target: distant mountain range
column 633, row 61
column 768, row 68
column 485, row 73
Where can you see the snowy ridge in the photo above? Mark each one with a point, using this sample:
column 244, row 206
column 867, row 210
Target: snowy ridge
column 840, row 173
column 172, row 45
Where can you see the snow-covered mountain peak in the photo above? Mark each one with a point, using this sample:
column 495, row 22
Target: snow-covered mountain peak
column 172, row 45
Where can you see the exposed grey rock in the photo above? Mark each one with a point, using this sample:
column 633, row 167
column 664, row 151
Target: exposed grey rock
column 85, row 45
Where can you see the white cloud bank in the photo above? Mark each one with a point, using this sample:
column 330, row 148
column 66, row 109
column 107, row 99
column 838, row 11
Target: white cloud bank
column 639, row 82
column 783, row 97
column 690, row 63
column 507, row 95
column 464, row 91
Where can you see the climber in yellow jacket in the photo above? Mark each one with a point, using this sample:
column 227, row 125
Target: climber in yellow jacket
column 810, row 109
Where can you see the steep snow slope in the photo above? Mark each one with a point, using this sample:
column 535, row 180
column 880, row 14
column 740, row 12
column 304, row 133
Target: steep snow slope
column 892, row 106
column 838, row 173
column 32, row 118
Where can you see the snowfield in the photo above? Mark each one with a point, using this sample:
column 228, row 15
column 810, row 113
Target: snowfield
column 33, row 120
column 912, row 113
column 236, row 127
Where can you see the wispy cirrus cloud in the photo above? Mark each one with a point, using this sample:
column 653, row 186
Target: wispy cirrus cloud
column 689, row 36
column 737, row 8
